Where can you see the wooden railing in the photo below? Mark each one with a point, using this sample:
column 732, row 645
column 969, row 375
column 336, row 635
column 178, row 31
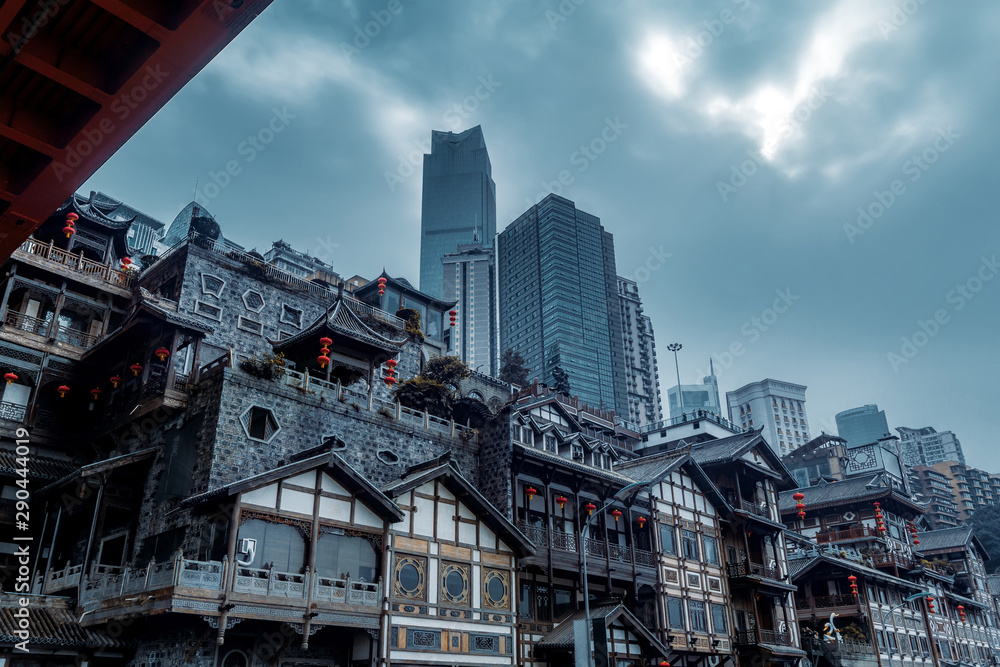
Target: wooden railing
column 880, row 560
column 761, row 636
column 40, row 327
column 13, row 411
column 826, row 602
column 849, row 534
column 78, row 263
column 750, row 569
column 557, row 539
column 58, row 580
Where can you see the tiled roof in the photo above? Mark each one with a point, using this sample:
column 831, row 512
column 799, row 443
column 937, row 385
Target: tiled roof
column 648, row 467
column 41, row 468
column 946, row 538
column 51, row 625
column 562, row 636
column 721, row 450
column 856, row 488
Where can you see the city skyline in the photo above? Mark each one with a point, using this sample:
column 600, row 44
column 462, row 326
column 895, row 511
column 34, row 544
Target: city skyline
column 647, row 155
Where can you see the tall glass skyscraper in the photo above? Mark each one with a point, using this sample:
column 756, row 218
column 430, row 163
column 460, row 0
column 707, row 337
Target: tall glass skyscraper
column 459, row 198
column 862, row 426
column 470, row 280
column 559, row 301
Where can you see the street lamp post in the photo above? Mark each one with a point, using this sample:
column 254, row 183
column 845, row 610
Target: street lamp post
column 675, row 347
column 885, row 616
column 584, row 533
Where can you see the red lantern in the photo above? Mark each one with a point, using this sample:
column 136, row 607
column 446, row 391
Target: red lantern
column 135, row 368
column 854, row 585
column 115, row 380
column 616, row 514
column 322, row 360
column 531, row 491
column 961, row 612
column 162, row 353
column 63, row 390
column 391, row 363
column 590, row 507
column 453, row 314
column 664, row 663
column 68, row 230
column 96, row 393
column 641, row 521
column 389, row 380
column 10, row 378
column 126, row 263
column 562, row 500
column 381, row 286
column 326, row 342
column 71, row 218
column 916, row 542
column 930, row 604
column 799, row 497
column 324, row 350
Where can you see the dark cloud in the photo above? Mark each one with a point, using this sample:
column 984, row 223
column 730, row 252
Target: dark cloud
column 887, row 87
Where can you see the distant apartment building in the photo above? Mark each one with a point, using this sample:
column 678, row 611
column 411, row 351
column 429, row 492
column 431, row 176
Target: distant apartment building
column 779, row 408
column 642, row 378
column 693, row 397
column 300, row 264
column 862, row 426
column 932, row 490
column 470, row 280
column 926, row 446
column 956, row 487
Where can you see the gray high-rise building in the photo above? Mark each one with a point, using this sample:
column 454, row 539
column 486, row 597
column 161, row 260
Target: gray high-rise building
column 470, row 280
column 459, row 200
column 778, row 407
column 704, row 396
column 559, row 301
column 926, row 446
column 642, row 381
column 862, row 426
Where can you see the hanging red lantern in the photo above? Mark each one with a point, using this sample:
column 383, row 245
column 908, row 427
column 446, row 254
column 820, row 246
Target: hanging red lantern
column 10, row 377
column 126, row 263
column 325, row 342
column 162, row 353
column 641, row 521
column 391, row 363
column 63, row 390
column 531, row 491
column 664, row 663
column 115, row 380
column 322, row 360
column 381, row 286
column 930, row 604
column 961, row 612
column 324, row 350
column 96, row 393
column 68, row 230
column 854, row 585
column 71, row 218
column 617, row 514
column 916, row 542
column 389, row 380
column 799, row 497
column 562, row 500
column 135, row 368
column 590, row 507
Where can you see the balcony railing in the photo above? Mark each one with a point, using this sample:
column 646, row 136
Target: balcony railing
column 761, row 509
column 78, row 263
column 109, row 583
column 557, row 539
column 761, row 636
column 890, row 559
column 13, row 411
column 58, row 580
column 853, row 533
column 745, row 569
column 40, row 327
column 826, row 602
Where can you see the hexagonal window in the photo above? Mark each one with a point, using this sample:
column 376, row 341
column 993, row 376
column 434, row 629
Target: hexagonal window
column 259, row 424
column 253, row 300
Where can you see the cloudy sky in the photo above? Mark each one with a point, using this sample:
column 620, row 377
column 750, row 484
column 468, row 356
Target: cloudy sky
column 842, row 154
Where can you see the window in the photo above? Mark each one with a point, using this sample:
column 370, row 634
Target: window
column 409, row 578
column 343, row 556
column 212, row 285
column 668, row 540
column 675, row 613
column 253, row 300
column 711, row 547
column 259, row 424
column 279, row 544
column 455, row 583
column 689, row 542
column 496, row 591
column 208, row 310
column 253, row 326
column 719, row 619
column 697, row 611
column 291, row 315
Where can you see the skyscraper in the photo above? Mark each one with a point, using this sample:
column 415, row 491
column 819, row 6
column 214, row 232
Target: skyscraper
column 459, row 199
column 559, row 300
column 470, row 279
column 779, row 407
column 642, row 378
column 862, row 426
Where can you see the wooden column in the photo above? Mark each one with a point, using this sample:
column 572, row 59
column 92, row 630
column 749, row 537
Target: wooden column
column 6, row 293
column 234, row 527
column 311, row 566
column 60, row 301
column 172, row 362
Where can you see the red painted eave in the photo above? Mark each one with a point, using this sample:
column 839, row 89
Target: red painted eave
column 67, row 102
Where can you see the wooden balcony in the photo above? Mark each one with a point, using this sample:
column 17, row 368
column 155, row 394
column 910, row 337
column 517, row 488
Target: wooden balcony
column 854, row 533
column 823, row 605
column 19, row 322
column 49, row 257
column 761, row 636
column 893, row 560
column 190, row 586
column 544, row 538
column 756, row 573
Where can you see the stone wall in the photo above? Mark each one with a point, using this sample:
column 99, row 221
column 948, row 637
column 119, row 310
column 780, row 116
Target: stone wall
column 496, row 455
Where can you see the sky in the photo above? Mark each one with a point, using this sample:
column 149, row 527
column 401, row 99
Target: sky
column 803, row 191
